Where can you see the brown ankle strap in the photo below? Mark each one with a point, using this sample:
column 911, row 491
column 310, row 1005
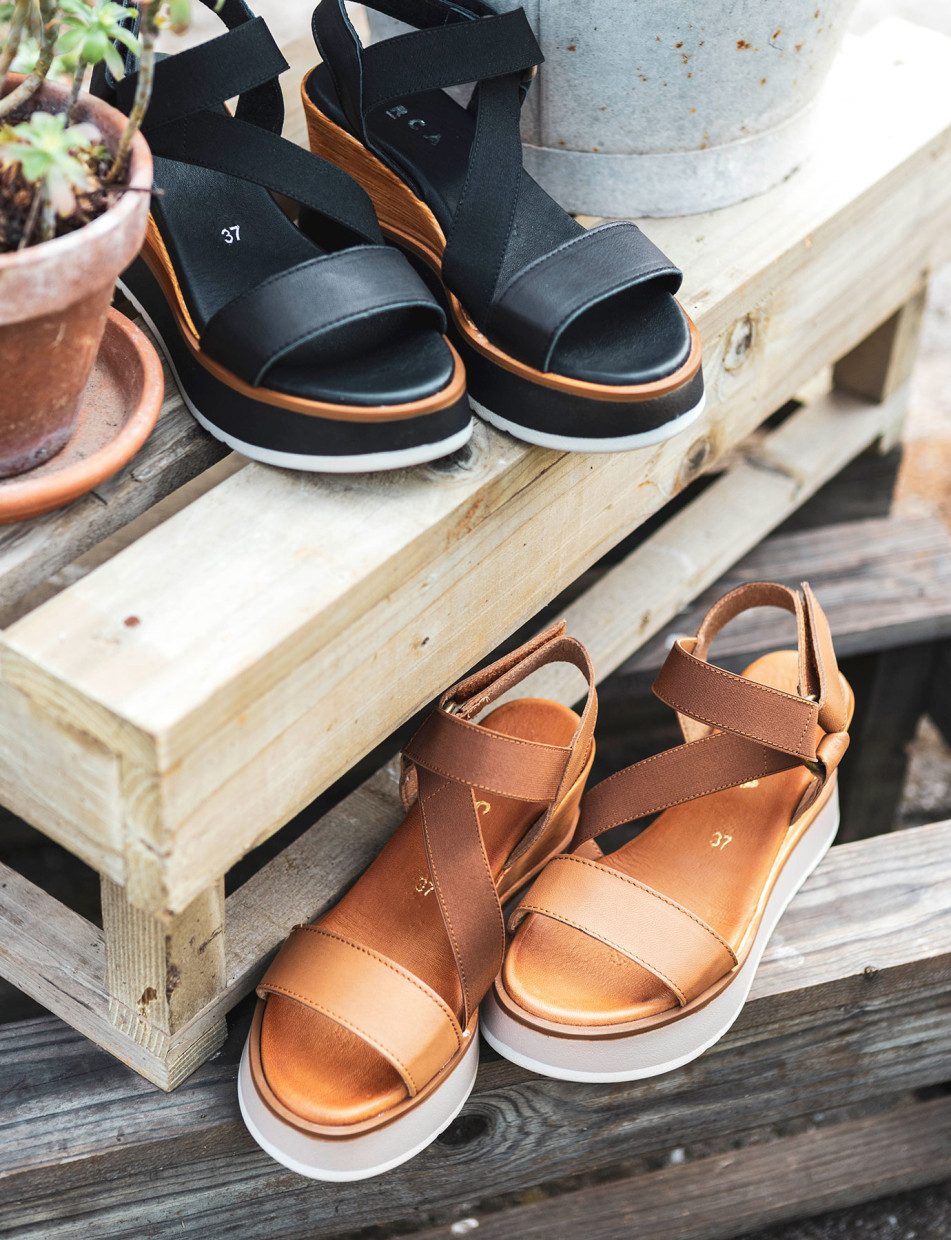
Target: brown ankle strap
column 448, row 757
column 736, row 730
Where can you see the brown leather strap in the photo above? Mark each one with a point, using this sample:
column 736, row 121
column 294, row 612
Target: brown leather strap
column 674, row 776
column 657, row 933
column 761, row 730
column 375, row 998
column 448, row 757
column 721, row 699
column 451, row 746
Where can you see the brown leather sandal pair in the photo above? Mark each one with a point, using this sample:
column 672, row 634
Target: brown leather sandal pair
column 363, row 1046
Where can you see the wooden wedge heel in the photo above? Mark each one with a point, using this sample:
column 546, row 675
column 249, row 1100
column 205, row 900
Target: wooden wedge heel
column 632, row 963
column 572, row 339
column 308, row 345
column 364, row 1042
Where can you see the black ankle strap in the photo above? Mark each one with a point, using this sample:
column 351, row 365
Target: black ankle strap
column 244, row 61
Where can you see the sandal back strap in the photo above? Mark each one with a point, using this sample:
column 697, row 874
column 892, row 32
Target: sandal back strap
column 657, row 933
column 736, row 729
column 391, row 1009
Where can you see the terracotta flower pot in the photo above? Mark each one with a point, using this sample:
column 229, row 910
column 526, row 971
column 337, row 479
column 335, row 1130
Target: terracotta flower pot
column 54, row 298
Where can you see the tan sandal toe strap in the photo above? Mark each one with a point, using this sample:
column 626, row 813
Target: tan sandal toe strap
column 677, row 947
column 397, row 1014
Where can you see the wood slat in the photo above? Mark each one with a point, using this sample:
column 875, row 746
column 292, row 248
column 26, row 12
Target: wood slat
column 288, row 624
column 882, row 583
column 60, row 959
column 851, row 1003
column 728, row 1195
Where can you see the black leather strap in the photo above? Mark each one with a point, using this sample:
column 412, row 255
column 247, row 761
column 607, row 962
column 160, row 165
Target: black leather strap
column 533, row 309
column 327, row 297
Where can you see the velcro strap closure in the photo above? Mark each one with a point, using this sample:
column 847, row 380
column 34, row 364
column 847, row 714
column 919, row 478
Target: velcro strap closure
column 694, row 687
column 471, row 754
column 375, row 998
column 540, row 301
column 321, row 297
column 205, row 76
column 462, row 51
column 649, row 928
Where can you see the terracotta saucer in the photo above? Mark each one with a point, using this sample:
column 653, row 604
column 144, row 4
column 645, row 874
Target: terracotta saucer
column 120, row 407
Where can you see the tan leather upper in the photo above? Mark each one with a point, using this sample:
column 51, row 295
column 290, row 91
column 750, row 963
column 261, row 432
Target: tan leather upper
column 739, row 731
column 450, row 757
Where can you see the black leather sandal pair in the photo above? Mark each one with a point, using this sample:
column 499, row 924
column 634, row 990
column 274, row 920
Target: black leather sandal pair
column 314, row 344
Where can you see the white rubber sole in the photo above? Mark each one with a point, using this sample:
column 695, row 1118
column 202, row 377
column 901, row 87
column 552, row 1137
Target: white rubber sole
column 660, row 1050
column 373, row 1153
column 364, row 462
column 567, row 443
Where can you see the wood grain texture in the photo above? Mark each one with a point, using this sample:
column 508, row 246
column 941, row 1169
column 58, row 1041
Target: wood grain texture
column 60, row 959
column 882, row 583
column 177, row 450
column 253, row 681
column 851, row 1003
column 728, row 1195
column 160, row 975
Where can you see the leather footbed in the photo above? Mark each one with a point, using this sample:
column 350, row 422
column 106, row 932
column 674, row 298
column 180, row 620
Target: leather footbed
column 640, row 338
column 712, row 855
column 319, row 1072
column 198, row 209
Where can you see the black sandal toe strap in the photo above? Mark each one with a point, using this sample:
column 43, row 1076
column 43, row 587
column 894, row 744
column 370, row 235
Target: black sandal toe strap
column 328, row 299
column 539, row 302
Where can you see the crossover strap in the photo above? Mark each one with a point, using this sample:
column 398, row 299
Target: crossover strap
column 245, row 62
column 391, row 1009
column 659, row 934
column 187, row 121
column 225, row 144
column 736, row 729
column 539, row 302
column 465, row 41
column 321, row 300
column 449, row 757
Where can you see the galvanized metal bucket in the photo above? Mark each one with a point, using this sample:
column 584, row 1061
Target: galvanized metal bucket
column 652, row 107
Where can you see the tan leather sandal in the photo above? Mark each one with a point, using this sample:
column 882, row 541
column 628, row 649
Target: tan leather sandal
column 631, row 964
column 364, row 1042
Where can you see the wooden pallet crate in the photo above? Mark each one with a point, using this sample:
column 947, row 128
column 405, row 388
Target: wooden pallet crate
column 849, row 1016
column 165, row 713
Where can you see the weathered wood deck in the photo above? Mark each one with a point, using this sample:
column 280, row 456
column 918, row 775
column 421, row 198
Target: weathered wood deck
column 852, row 1006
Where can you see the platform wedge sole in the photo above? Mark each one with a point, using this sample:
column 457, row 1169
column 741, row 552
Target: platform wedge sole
column 342, row 1159
column 540, row 407
column 287, row 437
column 671, row 1045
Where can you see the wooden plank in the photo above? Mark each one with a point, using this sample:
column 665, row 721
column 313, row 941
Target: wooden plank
column 161, row 975
column 727, row 1195
column 882, row 582
column 851, row 1004
column 59, row 959
column 252, row 682
column 176, row 451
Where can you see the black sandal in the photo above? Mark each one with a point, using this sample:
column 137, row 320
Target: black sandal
column 312, row 347
column 572, row 339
